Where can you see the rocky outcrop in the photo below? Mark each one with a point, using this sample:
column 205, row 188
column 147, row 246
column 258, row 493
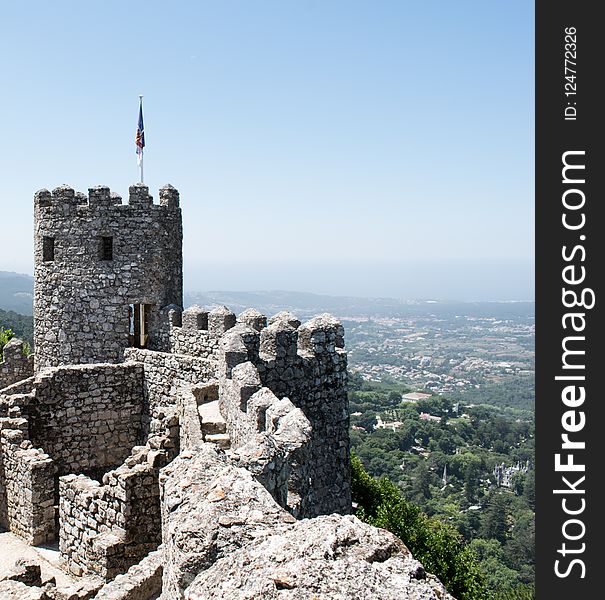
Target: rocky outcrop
column 225, row 537
column 329, row 557
column 16, row 590
column 210, row 508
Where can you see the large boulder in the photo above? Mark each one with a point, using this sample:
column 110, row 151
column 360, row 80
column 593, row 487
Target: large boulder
column 210, row 508
column 17, row 590
column 329, row 558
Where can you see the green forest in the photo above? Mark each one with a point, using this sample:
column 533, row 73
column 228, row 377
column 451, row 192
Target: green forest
column 22, row 326
column 445, row 469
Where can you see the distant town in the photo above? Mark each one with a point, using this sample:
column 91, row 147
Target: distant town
column 441, row 353
column 451, row 348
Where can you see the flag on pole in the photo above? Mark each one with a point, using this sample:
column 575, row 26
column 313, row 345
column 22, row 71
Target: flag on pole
column 140, row 136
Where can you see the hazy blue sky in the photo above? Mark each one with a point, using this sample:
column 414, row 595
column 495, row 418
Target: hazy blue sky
column 346, row 147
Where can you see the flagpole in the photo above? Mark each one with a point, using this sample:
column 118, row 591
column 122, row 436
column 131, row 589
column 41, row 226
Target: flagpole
column 141, row 165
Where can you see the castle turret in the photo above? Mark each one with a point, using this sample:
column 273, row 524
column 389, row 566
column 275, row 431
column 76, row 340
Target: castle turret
column 103, row 270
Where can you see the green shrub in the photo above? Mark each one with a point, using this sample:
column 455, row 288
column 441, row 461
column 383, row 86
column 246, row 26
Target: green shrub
column 521, row 592
column 438, row 546
column 6, row 335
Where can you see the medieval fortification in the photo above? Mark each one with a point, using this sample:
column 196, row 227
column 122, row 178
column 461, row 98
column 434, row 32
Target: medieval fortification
column 177, row 453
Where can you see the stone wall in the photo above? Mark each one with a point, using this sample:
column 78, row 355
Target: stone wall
column 94, row 256
column 24, row 386
column 165, row 375
column 192, row 343
column 142, row 581
column 27, row 485
column 15, row 366
column 194, row 331
column 87, row 417
column 106, row 528
column 306, row 364
column 309, row 365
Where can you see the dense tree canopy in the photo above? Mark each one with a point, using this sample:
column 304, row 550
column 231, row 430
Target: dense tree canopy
column 438, row 546
column 22, row 326
column 465, row 446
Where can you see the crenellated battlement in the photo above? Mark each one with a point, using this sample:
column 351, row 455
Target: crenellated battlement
column 304, row 362
column 307, row 364
column 64, row 200
column 322, row 334
column 285, row 337
column 198, row 331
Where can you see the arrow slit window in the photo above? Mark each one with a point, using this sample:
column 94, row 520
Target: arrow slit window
column 106, row 248
column 48, row 249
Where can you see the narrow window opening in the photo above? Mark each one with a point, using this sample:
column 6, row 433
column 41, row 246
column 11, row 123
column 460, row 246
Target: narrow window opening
column 48, row 249
column 138, row 323
column 106, row 248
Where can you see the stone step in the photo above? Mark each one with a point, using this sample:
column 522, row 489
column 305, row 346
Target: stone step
column 222, row 440
column 212, row 421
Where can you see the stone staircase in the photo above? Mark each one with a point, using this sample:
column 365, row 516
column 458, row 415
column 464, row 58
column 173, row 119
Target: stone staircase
column 213, row 425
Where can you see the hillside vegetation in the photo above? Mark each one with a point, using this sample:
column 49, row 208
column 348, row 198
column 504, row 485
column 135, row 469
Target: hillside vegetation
column 22, row 326
column 444, row 466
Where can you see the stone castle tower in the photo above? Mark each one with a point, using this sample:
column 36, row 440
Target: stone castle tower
column 103, row 270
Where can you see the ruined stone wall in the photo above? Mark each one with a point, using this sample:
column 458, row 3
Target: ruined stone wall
column 141, row 582
column 165, row 375
column 15, row 366
column 24, row 386
column 87, row 417
column 27, row 485
column 306, row 364
column 106, row 528
column 81, row 298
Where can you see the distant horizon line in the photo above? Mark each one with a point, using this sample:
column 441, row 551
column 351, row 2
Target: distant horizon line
column 399, row 299
column 427, row 300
